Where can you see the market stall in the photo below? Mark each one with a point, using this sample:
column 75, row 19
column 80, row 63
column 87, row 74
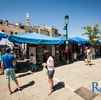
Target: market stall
column 37, row 42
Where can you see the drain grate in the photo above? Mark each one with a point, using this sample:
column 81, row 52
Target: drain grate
column 85, row 93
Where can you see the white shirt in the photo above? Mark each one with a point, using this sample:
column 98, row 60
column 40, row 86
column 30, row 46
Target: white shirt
column 88, row 51
column 50, row 63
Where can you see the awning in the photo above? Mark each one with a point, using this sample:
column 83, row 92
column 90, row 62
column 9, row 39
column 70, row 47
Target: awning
column 3, row 35
column 36, row 38
column 78, row 40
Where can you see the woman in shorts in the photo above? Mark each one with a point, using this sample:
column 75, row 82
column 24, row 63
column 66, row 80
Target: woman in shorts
column 50, row 72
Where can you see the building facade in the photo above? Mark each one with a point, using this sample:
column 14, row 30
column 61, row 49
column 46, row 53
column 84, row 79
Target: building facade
column 11, row 28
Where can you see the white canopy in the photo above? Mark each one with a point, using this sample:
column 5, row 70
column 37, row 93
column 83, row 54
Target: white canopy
column 6, row 42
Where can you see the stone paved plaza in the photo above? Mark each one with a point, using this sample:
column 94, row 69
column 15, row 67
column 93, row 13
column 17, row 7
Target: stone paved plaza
column 72, row 82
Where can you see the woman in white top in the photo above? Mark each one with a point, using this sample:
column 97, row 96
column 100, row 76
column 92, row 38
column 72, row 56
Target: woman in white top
column 50, row 72
column 89, row 56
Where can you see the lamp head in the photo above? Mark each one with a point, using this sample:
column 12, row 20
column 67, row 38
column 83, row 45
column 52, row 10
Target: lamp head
column 66, row 19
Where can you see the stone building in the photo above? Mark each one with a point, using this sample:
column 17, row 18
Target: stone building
column 11, row 28
column 46, row 30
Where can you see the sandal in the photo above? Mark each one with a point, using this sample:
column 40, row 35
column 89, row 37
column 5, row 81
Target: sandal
column 50, row 92
column 11, row 92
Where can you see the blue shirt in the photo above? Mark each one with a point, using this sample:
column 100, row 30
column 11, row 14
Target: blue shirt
column 7, row 60
column 0, row 57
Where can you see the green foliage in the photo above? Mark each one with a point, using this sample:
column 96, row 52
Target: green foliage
column 93, row 33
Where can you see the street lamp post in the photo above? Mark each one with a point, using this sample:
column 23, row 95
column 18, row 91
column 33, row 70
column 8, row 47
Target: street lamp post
column 66, row 28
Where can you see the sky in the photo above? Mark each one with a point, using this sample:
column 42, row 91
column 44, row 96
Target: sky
column 51, row 12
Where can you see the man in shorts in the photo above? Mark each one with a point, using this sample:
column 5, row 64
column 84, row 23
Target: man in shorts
column 8, row 66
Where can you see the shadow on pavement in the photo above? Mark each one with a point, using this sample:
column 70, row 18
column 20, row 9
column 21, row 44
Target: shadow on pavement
column 25, row 86
column 58, row 86
column 23, row 74
column 85, row 93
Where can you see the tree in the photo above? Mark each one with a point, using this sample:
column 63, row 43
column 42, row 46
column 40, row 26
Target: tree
column 93, row 33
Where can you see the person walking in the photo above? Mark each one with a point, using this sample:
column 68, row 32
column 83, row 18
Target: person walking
column 8, row 66
column 89, row 56
column 49, row 65
column 93, row 53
